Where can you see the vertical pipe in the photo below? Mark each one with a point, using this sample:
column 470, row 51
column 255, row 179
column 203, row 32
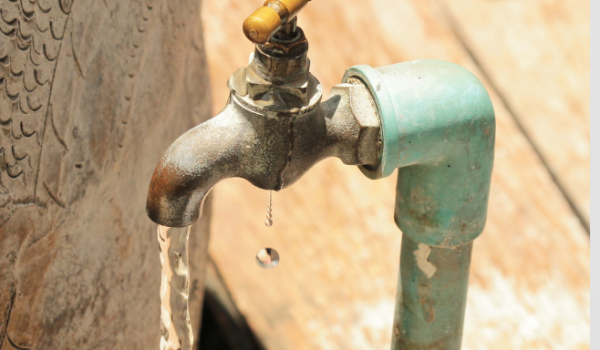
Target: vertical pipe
column 432, row 289
column 438, row 130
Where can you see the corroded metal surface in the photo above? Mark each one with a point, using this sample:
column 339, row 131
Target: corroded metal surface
column 265, row 144
column 90, row 93
column 438, row 127
column 432, row 296
column 439, row 130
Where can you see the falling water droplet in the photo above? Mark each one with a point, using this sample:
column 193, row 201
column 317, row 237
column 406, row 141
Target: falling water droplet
column 267, row 258
column 269, row 221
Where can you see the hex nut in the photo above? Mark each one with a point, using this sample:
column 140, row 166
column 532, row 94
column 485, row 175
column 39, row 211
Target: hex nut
column 367, row 118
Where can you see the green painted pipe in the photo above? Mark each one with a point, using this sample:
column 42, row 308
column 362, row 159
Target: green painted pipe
column 438, row 130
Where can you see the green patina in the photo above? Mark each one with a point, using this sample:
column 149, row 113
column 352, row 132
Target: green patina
column 438, row 130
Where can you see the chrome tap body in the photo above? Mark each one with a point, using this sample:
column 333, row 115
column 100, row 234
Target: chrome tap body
column 272, row 130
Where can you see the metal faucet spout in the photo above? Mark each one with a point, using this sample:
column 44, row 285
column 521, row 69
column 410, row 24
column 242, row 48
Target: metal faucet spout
column 271, row 151
column 272, row 130
column 431, row 120
column 193, row 164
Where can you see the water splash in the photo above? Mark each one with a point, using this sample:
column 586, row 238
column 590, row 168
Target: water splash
column 267, row 258
column 269, row 221
column 176, row 328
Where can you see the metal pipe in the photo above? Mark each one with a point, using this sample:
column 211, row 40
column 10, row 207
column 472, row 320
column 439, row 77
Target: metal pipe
column 438, row 130
column 269, row 134
column 432, row 120
column 432, row 296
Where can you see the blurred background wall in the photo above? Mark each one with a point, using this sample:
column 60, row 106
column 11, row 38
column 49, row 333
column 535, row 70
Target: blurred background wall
column 91, row 94
column 334, row 229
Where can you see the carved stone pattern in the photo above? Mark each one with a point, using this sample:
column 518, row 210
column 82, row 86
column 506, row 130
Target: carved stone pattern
column 140, row 22
column 31, row 34
column 92, row 93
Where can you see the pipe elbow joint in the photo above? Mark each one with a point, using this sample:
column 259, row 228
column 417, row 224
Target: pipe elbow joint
column 438, row 129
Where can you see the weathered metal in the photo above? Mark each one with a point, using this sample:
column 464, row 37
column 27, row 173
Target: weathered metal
column 431, row 296
column 271, row 132
column 432, row 120
column 278, row 77
column 438, row 129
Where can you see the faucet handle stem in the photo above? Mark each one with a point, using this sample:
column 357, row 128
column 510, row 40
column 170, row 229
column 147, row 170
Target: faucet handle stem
column 272, row 17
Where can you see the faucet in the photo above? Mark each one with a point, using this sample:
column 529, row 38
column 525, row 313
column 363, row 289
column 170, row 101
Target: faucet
column 431, row 120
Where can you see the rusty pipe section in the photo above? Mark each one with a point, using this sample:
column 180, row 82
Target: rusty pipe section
column 270, row 133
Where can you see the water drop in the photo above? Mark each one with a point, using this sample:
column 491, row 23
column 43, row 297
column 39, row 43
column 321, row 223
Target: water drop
column 267, row 258
column 269, row 221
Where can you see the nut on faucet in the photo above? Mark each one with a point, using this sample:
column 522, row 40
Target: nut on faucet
column 273, row 129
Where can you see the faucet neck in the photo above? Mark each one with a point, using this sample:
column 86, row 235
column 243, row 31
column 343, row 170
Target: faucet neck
column 284, row 58
column 278, row 67
column 277, row 81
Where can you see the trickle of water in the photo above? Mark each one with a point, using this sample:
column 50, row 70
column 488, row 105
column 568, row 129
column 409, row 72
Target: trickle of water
column 269, row 221
column 267, row 258
column 176, row 329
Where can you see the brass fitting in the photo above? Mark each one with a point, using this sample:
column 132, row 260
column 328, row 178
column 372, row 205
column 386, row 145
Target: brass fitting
column 270, row 18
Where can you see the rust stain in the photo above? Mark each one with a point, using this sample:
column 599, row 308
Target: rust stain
column 487, row 130
column 437, row 345
column 423, row 218
column 426, row 302
column 422, row 207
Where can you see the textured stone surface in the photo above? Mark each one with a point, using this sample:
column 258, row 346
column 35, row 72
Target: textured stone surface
column 91, row 94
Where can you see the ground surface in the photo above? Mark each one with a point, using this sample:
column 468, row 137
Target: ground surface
column 334, row 229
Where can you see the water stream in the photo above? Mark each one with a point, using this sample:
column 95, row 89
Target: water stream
column 176, row 329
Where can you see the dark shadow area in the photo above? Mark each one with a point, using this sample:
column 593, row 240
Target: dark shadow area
column 220, row 331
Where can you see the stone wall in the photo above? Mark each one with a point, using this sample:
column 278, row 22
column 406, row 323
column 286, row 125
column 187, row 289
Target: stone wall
column 91, row 94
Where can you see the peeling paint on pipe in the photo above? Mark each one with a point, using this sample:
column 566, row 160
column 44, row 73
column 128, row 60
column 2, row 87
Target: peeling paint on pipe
column 432, row 308
column 421, row 257
column 438, row 130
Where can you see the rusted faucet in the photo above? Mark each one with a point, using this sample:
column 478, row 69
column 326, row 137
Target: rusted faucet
column 432, row 121
column 272, row 130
